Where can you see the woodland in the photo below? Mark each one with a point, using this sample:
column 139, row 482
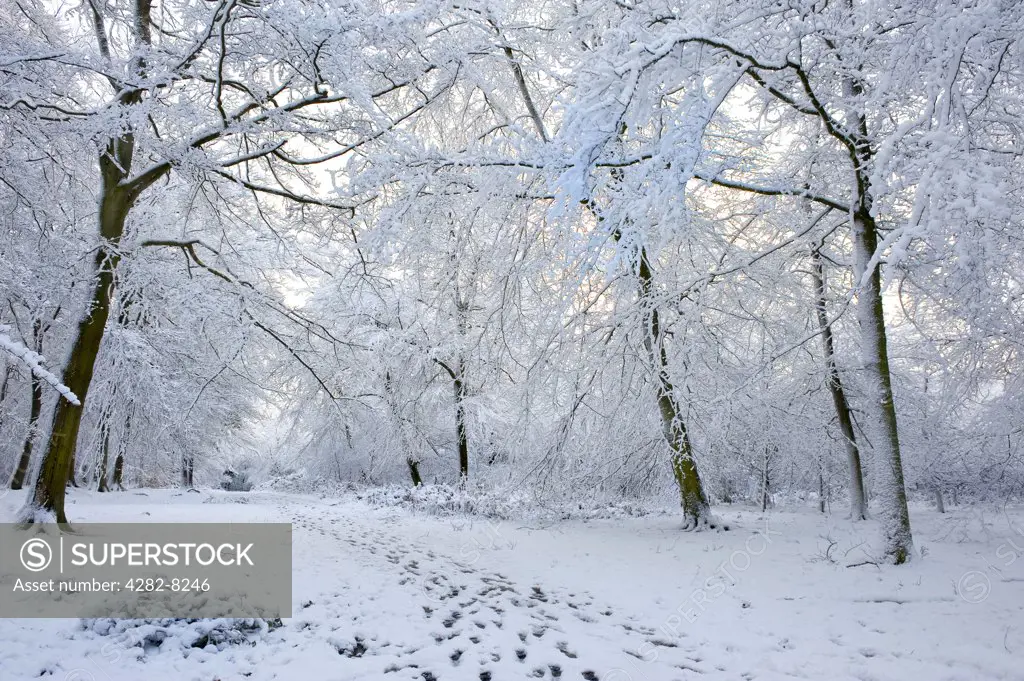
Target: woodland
column 693, row 253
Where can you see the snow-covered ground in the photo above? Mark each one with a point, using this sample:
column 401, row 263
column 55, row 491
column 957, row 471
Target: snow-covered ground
column 388, row 594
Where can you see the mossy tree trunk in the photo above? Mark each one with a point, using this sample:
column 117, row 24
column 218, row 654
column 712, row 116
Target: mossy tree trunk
column 58, row 459
column 692, row 496
column 880, row 404
column 119, row 192
column 694, row 500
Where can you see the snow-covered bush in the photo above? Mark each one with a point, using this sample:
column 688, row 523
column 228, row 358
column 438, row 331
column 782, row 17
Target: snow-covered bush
column 180, row 633
column 480, row 501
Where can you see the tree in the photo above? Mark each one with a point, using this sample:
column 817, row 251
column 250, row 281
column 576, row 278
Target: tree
column 844, row 415
column 205, row 98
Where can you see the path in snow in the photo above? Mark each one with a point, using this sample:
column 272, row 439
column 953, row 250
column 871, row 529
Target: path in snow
column 382, row 594
column 473, row 623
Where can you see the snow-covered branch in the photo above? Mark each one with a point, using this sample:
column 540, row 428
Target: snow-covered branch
column 34, row 361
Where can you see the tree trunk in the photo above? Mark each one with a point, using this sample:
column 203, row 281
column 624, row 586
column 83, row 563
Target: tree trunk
column 5, row 386
column 58, row 460
column 766, row 478
column 694, row 501
column 459, row 387
column 414, row 471
column 858, row 501
column 392, row 401
column 119, row 473
column 72, row 479
column 881, row 409
column 895, row 517
column 35, row 409
column 104, row 485
column 122, row 449
column 67, row 417
column 692, row 497
column 18, row 481
column 103, row 482
column 118, row 194
column 940, row 505
column 188, row 468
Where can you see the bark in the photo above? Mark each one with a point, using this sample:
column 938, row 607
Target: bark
column 104, row 485
column 766, row 461
column 858, row 501
column 459, row 375
column 20, row 474
column 692, row 496
column 881, row 409
column 694, row 500
column 122, row 449
column 188, row 468
column 392, row 401
column 459, row 388
column 35, row 408
column 103, row 482
column 940, row 505
column 58, row 460
column 457, row 370
column 67, row 417
column 726, row 493
column 72, row 479
column 524, row 90
column 880, row 405
column 5, row 386
column 414, row 471
column 119, row 473
column 118, row 195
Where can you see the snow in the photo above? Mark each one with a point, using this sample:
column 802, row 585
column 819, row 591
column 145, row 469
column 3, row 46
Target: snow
column 386, row 593
column 34, row 361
